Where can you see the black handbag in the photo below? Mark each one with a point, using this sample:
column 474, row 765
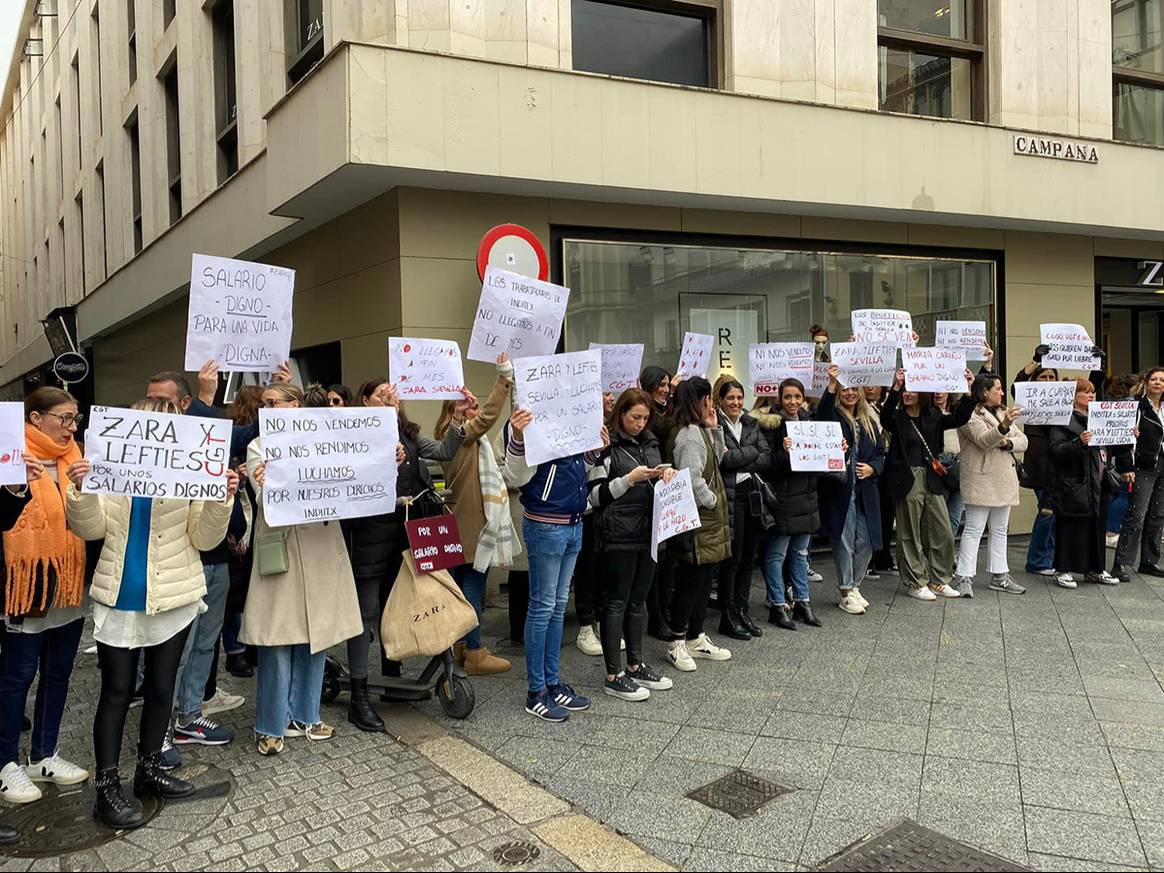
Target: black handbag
column 762, row 503
column 950, row 483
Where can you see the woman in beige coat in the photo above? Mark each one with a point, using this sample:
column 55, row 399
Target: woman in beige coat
column 295, row 617
column 990, row 485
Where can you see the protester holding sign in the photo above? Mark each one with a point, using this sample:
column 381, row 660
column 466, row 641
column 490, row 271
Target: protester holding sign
column 43, row 590
column 1143, row 466
column 660, row 385
column 146, row 593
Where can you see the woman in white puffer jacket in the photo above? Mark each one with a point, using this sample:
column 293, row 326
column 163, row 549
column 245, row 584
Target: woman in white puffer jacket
column 146, row 592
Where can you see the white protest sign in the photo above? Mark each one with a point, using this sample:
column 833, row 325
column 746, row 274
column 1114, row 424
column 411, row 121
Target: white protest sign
column 426, row 369
column 816, row 446
column 1070, row 346
column 154, row 454
column 674, row 510
column 695, row 356
column 1045, row 403
column 12, row 444
column 883, row 327
column 970, row 336
column 1111, row 422
column 820, row 379
column 327, row 464
column 929, row 370
column 621, row 364
column 772, row 363
column 518, row 315
column 862, row 365
column 564, row 392
column 240, row 315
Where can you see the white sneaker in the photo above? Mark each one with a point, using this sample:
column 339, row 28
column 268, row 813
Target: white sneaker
column 814, row 576
column 922, row 593
column 1104, row 578
column 679, row 657
column 860, row 598
column 705, row 648
column 16, row 787
column 945, row 590
column 1113, row 540
column 56, row 770
column 222, row 701
column 622, row 645
column 1065, row 580
column 1050, row 571
column 850, row 604
column 588, row 642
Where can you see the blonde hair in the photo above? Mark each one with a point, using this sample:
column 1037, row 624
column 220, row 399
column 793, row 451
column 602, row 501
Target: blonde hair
column 448, row 409
column 864, row 414
column 287, row 392
column 150, row 405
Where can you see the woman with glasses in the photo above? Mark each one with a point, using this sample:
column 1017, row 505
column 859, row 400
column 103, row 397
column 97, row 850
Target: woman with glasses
column 339, row 396
column 43, row 594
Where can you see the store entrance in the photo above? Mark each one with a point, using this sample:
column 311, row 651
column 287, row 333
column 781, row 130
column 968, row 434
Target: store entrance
column 1131, row 313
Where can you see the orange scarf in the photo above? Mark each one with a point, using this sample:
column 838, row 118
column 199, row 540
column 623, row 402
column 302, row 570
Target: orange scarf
column 41, row 540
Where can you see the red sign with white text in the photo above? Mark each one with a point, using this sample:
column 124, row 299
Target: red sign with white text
column 435, row 543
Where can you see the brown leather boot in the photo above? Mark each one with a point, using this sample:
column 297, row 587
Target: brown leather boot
column 480, row 662
column 459, row 654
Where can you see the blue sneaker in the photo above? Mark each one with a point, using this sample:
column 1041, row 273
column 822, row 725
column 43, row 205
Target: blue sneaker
column 543, row 706
column 202, row 731
column 565, row 697
column 171, row 757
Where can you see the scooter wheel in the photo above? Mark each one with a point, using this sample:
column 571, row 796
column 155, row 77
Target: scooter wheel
column 331, row 689
column 456, row 697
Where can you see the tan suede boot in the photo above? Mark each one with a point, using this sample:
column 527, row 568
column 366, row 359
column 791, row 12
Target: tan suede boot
column 480, row 662
column 459, row 654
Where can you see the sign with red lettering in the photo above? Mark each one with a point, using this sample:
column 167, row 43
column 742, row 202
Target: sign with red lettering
column 427, row 369
column 435, row 543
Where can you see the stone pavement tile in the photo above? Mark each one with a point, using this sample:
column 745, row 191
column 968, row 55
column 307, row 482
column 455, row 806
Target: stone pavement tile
column 902, row 686
column 673, row 853
column 867, row 765
column 1138, row 765
column 1083, row 730
column 894, row 709
column 716, row 747
column 967, row 691
column 1123, row 689
column 992, row 827
column 885, row 735
column 819, row 703
column 592, row 847
column 612, row 766
column 1152, row 837
column 1083, row 835
column 989, row 783
column 706, row 859
column 1083, row 792
column 661, row 816
column 866, row 798
column 596, row 798
column 827, row 836
column 997, row 748
column 740, row 714
column 681, row 775
column 666, row 706
column 1133, row 736
column 635, row 734
column 1050, row 703
column 776, row 831
column 536, row 757
column 1146, row 799
column 794, row 762
column 988, row 718
column 803, row 725
column 1056, row 863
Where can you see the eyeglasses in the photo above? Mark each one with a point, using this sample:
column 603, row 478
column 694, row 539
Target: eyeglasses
column 66, row 420
column 274, row 404
column 335, row 401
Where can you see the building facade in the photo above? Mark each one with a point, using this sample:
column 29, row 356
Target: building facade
column 742, row 167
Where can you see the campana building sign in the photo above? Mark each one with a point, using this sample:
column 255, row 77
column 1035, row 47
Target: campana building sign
column 1063, row 150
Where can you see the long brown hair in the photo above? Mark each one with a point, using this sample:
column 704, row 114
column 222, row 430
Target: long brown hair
column 244, row 409
column 1141, row 389
column 629, row 398
column 409, row 429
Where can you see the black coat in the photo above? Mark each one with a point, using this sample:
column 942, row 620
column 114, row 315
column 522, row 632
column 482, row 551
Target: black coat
column 864, row 448
column 752, row 453
column 797, row 509
column 1076, row 486
column 623, row 524
column 1146, row 454
column 932, row 424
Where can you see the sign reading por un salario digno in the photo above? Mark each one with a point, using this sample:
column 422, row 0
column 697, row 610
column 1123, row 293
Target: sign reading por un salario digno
column 1061, row 149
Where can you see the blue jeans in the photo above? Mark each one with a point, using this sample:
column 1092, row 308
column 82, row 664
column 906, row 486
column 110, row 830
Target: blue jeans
column 774, row 551
column 1041, row 551
column 202, row 642
column 231, row 625
column 957, row 509
column 52, row 652
column 472, row 585
column 1117, row 509
column 288, row 682
column 853, row 550
column 553, row 551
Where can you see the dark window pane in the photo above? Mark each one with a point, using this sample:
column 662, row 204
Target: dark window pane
column 310, row 20
column 1136, row 34
column 640, row 43
column 949, row 18
column 1139, row 113
column 921, row 84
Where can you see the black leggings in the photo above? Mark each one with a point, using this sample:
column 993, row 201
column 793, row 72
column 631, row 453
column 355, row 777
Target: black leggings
column 118, row 674
column 689, row 601
column 735, row 574
column 629, row 580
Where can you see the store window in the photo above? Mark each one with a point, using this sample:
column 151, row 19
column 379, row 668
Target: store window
column 1137, row 71
column 629, row 292
column 305, row 32
column 932, row 58
column 660, row 40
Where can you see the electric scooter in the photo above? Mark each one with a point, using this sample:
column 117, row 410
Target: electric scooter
column 441, row 675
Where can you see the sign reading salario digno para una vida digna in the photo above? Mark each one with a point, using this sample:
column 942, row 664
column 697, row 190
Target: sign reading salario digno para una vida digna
column 1060, row 149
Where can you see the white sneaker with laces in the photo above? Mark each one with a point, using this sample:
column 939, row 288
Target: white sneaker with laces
column 923, row 593
column 222, row 701
column 1050, row 571
column 945, row 590
column 1105, row 578
column 860, row 598
column 850, row 604
column 705, row 648
column 679, row 657
column 814, row 576
column 588, row 642
column 57, row 770
column 1066, row 580
column 15, row 786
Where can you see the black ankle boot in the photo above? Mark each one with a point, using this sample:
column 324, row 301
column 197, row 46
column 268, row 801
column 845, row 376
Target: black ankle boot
column 238, row 665
column 113, row 808
column 361, row 713
column 779, row 616
column 730, row 625
column 802, row 612
column 749, row 625
column 150, row 778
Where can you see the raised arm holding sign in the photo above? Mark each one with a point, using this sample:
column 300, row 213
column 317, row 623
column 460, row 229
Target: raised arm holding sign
column 883, row 327
column 1070, row 347
column 862, row 365
column 517, row 315
column 621, row 364
column 969, row 336
column 674, row 510
column 929, row 370
column 427, row 369
column 1045, row 403
column 564, row 393
column 695, row 357
column 772, row 363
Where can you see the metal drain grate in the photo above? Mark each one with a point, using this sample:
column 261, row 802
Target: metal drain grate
column 907, row 846
column 515, row 854
column 62, row 823
column 739, row 793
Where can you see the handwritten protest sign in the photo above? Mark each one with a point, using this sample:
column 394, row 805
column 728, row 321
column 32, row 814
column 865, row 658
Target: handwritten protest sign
column 327, row 464
column 930, row 370
column 564, row 392
column 1070, row 346
column 820, row 379
column 518, row 315
column 970, row 336
column 1111, row 422
column 861, row 365
column 12, row 469
column 883, row 327
column 621, row 364
column 435, row 543
column 427, row 369
column 1044, row 403
column 240, row 315
column 695, row 357
column 674, row 510
column 772, row 363
column 816, row 446
column 154, row 454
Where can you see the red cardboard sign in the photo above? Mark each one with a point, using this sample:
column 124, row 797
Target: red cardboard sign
column 435, row 543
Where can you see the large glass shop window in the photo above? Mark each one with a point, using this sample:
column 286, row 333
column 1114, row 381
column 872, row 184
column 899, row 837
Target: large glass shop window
column 652, row 294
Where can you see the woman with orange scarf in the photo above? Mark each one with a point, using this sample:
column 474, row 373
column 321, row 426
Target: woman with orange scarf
column 43, row 592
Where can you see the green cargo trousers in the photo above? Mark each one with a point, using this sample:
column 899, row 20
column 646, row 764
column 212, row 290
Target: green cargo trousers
column 925, row 545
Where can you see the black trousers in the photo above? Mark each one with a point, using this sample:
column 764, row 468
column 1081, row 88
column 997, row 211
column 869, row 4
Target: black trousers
column 118, row 675
column 689, row 601
column 735, row 574
column 629, row 576
column 517, row 586
column 662, row 588
column 587, row 581
column 883, row 556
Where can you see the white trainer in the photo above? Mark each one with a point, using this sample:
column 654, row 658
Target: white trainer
column 15, row 786
column 860, row 598
column 679, row 657
column 945, row 590
column 923, row 593
column 222, row 701
column 850, row 604
column 1066, row 580
column 814, row 576
column 705, row 648
column 588, row 642
column 1050, row 571
column 57, row 770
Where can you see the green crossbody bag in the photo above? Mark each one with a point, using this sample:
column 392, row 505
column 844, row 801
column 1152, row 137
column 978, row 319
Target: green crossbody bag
column 271, row 553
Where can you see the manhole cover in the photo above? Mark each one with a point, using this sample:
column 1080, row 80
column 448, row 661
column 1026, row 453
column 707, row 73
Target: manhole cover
column 515, row 854
column 62, row 822
column 907, row 846
column 739, row 793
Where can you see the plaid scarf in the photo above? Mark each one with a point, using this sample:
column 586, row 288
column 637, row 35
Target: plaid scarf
column 498, row 543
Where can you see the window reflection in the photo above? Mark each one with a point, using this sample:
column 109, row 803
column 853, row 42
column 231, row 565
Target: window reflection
column 949, row 19
column 921, row 84
column 641, row 43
